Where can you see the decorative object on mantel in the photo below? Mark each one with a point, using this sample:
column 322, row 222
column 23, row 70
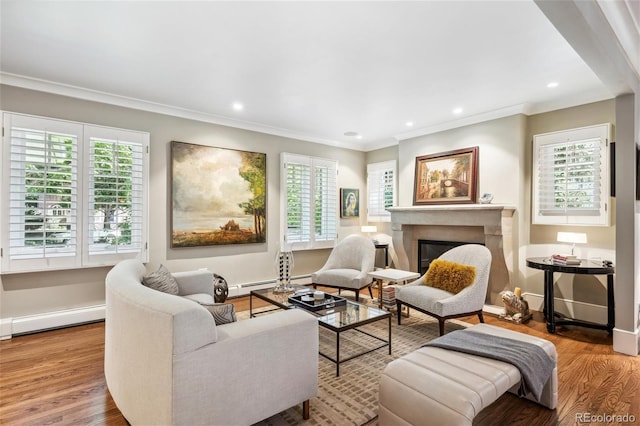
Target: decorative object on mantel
column 516, row 309
column 486, row 198
column 447, row 177
column 220, row 289
column 284, row 267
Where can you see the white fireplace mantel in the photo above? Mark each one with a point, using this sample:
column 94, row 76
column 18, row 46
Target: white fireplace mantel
column 488, row 224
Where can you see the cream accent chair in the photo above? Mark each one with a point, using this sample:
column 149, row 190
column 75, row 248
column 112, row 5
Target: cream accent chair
column 348, row 265
column 167, row 363
column 444, row 305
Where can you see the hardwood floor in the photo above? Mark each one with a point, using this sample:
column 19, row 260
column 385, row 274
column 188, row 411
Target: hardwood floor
column 56, row 377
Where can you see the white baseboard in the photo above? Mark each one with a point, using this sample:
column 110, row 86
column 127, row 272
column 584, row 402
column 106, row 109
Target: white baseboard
column 570, row 308
column 5, row 328
column 493, row 309
column 50, row 320
column 626, row 342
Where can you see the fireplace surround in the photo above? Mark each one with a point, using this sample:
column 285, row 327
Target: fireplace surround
column 488, row 224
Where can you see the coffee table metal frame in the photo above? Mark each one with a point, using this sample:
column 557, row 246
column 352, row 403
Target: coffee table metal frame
column 327, row 319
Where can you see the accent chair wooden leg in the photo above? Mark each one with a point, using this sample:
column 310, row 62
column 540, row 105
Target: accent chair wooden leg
column 480, row 316
column 370, row 292
column 357, row 295
column 305, row 410
column 441, row 325
column 399, row 311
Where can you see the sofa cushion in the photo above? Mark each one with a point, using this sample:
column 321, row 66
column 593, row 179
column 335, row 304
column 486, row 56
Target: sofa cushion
column 161, row 280
column 449, row 276
column 223, row 313
column 201, row 298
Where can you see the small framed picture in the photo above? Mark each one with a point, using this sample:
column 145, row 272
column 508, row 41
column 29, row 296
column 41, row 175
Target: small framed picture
column 349, row 202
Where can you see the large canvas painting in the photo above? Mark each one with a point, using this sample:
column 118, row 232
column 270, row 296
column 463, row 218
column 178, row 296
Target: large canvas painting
column 218, row 196
column 447, row 177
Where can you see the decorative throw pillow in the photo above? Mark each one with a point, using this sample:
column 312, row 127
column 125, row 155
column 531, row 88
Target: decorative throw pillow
column 223, row 313
column 449, row 276
column 161, row 280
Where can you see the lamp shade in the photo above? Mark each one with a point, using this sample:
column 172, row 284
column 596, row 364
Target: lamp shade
column 572, row 237
column 368, row 228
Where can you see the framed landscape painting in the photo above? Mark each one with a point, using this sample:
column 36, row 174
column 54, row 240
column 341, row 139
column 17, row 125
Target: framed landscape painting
column 447, row 177
column 218, row 196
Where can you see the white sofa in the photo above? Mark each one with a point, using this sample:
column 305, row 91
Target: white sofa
column 166, row 361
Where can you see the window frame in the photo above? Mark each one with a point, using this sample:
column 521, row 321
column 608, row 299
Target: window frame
column 599, row 216
column 329, row 210
column 376, row 211
column 78, row 255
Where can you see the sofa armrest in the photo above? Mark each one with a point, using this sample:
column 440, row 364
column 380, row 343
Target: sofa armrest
column 194, row 282
column 274, row 357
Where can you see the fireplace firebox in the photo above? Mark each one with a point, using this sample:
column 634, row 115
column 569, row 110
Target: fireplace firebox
column 432, row 249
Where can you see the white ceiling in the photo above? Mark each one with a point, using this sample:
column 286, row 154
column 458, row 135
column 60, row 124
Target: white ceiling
column 308, row 70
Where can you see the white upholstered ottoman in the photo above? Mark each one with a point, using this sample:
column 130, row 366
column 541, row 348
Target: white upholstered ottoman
column 435, row 386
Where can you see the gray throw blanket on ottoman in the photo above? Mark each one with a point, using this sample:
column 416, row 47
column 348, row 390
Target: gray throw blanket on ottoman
column 532, row 361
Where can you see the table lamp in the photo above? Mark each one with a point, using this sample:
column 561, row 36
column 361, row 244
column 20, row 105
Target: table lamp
column 369, row 229
column 572, row 237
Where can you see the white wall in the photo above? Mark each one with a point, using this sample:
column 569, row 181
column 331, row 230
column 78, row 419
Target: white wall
column 37, row 293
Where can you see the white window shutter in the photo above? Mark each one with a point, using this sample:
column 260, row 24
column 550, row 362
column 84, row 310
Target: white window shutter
column 571, row 177
column 53, row 180
column 297, row 200
column 309, row 202
column 40, row 194
column 381, row 193
column 116, row 194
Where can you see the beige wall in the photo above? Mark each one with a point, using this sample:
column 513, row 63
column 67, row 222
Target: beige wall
column 34, row 293
column 504, row 170
column 542, row 238
column 500, row 156
column 505, row 158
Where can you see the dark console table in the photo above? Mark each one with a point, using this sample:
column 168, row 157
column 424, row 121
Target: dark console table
column 585, row 267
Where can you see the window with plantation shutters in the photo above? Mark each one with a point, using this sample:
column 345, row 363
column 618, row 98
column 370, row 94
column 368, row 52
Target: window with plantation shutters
column 571, row 177
column 40, row 175
column 73, row 195
column 116, row 196
column 309, row 202
column 381, row 193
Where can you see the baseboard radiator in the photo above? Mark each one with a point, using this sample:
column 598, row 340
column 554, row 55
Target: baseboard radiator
column 10, row 327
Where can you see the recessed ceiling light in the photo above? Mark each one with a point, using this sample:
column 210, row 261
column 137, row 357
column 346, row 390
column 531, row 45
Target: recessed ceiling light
column 409, row 123
column 358, row 136
column 457, row 110
column 238, row 106
column 351, row 134
column 552, row 84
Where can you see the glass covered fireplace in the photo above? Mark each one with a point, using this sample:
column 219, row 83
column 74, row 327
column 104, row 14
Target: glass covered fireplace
column 431, row 249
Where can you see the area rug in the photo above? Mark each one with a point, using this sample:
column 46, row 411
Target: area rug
column 352, row 398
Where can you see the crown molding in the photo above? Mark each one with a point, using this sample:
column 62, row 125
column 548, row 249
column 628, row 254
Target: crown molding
column 139, row 104
column 466, row 121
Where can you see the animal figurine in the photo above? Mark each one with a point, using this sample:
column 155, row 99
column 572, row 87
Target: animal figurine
column 516, row 308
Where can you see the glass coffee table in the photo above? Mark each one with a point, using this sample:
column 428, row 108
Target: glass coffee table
column 338, row 319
